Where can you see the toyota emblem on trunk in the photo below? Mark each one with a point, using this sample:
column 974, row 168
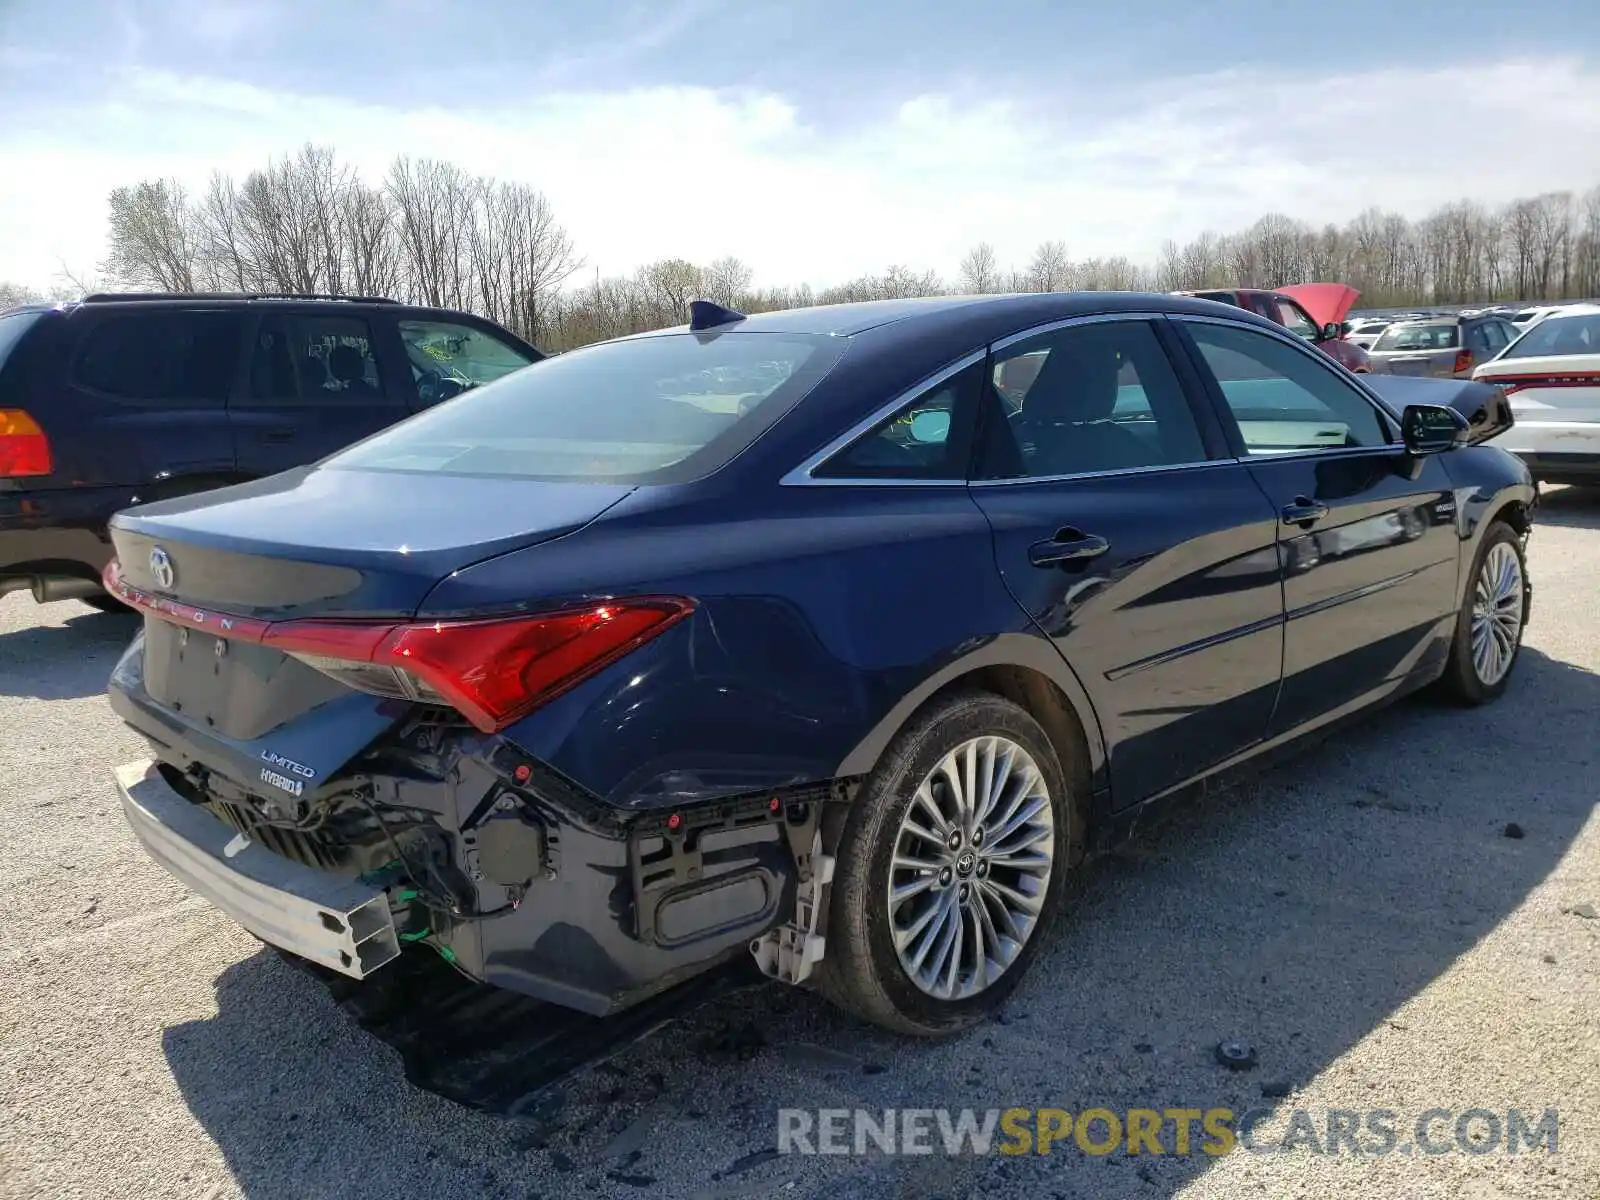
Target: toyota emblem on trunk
column 161, row 569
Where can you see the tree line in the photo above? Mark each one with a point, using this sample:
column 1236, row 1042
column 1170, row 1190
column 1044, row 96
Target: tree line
column 429, row 232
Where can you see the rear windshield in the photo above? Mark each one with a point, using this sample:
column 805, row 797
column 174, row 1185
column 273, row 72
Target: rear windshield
column 1419, row 337
column 1577, row 334
column 12, row 327
column 661, row 409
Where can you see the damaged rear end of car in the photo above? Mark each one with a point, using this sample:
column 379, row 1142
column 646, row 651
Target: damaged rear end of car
column 345, row 768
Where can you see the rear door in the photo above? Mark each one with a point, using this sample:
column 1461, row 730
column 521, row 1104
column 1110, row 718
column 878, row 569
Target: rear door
column 154, row 383
column 1138, row 546
column 1370, row 554
column 314, row 384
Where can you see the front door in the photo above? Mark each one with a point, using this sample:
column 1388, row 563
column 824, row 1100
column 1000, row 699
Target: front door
column 1147, row 560
column 314, row 386
column 1366, row 533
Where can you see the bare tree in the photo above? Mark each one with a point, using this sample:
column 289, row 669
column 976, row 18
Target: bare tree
column 727, row 281
column 14, row 294
column 1051, row 269
column 980, row 273
column 429, row 232
column 152, row 237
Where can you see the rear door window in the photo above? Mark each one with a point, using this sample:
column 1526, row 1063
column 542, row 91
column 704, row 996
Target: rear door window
column 315, row 360
column 1093, row 398
column 186, row 357
column 1262, row 306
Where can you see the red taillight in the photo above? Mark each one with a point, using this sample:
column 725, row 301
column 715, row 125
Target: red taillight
column 1463, row 361
column 492, row 672
column 24, row 449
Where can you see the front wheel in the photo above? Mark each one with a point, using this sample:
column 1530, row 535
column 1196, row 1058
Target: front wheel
column 1488, row 637
column 952, row 863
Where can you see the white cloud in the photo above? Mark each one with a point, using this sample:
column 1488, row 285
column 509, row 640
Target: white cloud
column 645, row 174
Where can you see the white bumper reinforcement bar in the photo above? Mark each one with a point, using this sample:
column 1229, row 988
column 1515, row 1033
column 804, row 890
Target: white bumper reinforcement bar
column 341, row 924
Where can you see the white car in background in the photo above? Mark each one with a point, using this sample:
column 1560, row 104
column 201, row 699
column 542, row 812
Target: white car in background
column 1527, row 318
column 1552, row 376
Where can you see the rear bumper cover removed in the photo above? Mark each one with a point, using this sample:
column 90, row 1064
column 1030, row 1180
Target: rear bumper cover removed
column 335, row 922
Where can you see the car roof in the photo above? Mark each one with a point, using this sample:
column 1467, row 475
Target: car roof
column 1022, row 309
column 99, row 298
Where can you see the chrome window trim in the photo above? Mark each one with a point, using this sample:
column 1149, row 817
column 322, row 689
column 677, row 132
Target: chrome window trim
column 1025, row 480
column 1069, row 322
column 802, row 476
column 1386, row 419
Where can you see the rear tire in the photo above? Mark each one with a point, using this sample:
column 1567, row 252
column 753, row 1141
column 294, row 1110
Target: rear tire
column 974, row 790
column 1494, row 612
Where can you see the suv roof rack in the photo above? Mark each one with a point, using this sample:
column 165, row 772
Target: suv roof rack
column 113, row 297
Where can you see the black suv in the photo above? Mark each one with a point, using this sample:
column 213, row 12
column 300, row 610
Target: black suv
column 123, row 399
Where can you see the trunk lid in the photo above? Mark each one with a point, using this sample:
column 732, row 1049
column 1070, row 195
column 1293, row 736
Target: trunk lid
column 338, row 542
column 213, row 573
column 1562, row 389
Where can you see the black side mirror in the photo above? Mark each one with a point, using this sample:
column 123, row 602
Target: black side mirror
column 1432, row 429
column 1332, row 331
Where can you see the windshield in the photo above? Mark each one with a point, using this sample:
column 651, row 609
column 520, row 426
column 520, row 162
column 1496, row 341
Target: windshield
column 448, row 357
column 1419, row 337
column 1576, row 334
column 661, row 409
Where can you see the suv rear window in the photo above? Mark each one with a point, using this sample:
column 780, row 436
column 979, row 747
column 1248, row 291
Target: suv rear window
column 1419, row 337
column 12, row 327
column 660, row 409
column 161, row 356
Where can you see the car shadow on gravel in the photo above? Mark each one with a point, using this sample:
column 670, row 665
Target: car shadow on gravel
column 65, row 660
column 1295, row 909
column 1575, row 507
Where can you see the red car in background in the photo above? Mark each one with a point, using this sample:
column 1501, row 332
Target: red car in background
column 1316, row 311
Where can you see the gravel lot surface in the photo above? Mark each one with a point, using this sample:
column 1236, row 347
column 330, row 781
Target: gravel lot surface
column 1359, row 916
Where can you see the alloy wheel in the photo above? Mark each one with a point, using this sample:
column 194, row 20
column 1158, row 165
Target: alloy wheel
column 971, row 867
column 1497, row 614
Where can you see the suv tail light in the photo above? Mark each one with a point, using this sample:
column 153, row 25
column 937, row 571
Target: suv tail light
column 24, row 449
column 1463, row 361
column 493, row 672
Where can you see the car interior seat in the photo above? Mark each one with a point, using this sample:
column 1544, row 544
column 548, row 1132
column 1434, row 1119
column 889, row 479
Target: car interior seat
column 349, row 366
column 1066, row 415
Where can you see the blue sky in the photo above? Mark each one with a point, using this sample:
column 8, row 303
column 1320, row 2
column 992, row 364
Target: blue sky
column 816, row 140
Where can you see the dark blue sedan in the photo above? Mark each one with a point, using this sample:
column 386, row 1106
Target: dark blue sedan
column 836, row 636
